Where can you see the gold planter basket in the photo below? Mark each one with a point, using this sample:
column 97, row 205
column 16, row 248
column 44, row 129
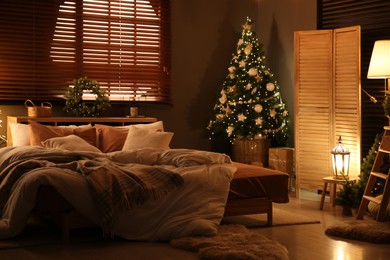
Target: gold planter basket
column 253, row 152
column 38, row 111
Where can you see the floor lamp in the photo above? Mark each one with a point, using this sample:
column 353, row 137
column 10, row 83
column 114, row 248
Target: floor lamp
column 380, row 62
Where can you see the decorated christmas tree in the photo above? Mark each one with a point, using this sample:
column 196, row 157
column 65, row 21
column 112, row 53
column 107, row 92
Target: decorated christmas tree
column 249, row 103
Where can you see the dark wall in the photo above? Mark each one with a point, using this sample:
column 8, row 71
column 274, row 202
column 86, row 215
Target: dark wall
column 374, row 20
column 203, row 34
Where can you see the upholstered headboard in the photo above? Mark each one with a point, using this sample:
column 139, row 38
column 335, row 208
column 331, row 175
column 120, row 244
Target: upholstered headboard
column 18, row 124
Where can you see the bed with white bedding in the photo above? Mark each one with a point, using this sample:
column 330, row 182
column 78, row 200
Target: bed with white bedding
column 59, row 165
column 193, row 203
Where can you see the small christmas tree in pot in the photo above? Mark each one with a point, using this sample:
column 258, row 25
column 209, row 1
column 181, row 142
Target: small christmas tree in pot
column 249, row 110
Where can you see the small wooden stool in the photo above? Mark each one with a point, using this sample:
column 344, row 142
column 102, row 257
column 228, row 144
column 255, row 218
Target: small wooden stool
column 333, row 181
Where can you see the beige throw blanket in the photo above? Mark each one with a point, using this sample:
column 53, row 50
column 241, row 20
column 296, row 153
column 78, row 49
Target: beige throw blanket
column 115, row 187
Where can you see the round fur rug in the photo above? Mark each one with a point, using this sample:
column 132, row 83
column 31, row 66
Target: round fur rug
column 363, row 230
column 233, row 242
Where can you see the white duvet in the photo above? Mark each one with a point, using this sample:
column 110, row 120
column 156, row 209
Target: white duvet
column 195, row 208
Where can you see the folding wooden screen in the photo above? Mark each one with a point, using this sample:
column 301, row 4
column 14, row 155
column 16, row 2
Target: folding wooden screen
column 327, row 102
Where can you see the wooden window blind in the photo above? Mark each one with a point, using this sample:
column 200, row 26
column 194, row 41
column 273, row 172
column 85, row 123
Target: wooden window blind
column 374, row 19
column 123, row 44
column 327, row 101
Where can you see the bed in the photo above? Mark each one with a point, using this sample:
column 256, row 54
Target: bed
column 203, row 186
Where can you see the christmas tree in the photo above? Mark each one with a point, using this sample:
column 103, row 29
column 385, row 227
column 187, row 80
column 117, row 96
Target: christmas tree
column 249, row 103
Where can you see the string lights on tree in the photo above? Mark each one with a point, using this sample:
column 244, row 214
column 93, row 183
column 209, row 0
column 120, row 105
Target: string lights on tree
column 249, row 103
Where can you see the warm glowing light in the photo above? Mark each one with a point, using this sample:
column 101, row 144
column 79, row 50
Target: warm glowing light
column 340, row 160
column 340, row 254
column 380, row 62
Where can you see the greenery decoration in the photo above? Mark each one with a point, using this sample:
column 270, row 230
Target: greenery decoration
column 249, row 103
column 351, row 193
column 366, row 166
column 77, row 106
column 386, row 104
column 347, row 195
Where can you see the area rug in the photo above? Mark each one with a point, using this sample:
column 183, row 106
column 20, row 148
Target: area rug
column 233, row 242
column 281, row 217
column 364, row 230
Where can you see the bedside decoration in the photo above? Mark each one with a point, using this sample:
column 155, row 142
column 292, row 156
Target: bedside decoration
column 78, row 97
column 44, row 110
column 249, row 104
column 133, row 111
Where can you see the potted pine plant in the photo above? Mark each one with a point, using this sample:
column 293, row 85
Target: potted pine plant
column 347, row 196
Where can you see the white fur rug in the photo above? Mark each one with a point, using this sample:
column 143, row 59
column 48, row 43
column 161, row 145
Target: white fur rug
column 363, row 230
column 233, row 242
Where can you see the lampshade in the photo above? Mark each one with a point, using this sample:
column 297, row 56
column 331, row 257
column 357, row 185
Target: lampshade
column 340, row 160
column 380, row 60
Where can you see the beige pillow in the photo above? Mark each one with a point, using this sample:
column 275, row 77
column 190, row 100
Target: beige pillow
column 141, row 138
column 71, row 143
column 20, row 134
column 40, row 133
column 112, row 138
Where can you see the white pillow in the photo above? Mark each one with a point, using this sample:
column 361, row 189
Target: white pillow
column 71, row 143
column 141, row 138
column 20, row 134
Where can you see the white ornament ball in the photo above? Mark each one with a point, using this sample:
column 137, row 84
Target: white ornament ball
column 258, row 108
column 252, row 72
column 270, row 86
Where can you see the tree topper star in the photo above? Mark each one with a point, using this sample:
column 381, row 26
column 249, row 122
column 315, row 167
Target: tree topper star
column 248, row 24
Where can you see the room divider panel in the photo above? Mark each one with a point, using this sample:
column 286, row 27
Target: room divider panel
column 326, row 102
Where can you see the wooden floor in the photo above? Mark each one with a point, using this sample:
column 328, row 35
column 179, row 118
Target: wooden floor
column 302, row 241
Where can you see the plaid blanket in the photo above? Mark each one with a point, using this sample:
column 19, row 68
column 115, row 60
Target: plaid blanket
column 120, row 187
column 115, row 187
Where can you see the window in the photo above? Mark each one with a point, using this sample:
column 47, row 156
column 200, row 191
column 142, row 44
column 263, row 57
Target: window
column 123, row 44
